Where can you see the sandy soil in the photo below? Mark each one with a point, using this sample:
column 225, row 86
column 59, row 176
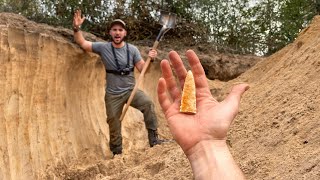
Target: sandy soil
column 52, row 116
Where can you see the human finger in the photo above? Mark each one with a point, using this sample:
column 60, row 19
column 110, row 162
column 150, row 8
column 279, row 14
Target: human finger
column 82, row 19
column 178, row 66
column 163, row 99
column 170, row 80
column 197, row 70
column 155, row 52
column 74, row 18
column 152, row 50
column 76, row 14
column 234, row 97
column 152, row 53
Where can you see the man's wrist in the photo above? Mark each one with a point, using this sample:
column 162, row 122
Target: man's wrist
column 211, row 159
column 205, row 146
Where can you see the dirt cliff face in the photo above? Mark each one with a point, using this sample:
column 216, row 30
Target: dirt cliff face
column 227, row 67
column 49, row 90
column 52, row 113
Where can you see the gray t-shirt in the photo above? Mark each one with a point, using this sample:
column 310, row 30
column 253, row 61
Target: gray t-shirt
column 117, row 84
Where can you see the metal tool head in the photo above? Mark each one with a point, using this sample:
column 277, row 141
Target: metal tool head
column 168, row 19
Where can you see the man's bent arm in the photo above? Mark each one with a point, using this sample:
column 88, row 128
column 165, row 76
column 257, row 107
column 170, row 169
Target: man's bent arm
column 152, row 54
column 84, row 44
column 139, row 65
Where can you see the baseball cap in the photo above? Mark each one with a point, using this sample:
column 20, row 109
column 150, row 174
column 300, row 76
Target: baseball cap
column 118, row 21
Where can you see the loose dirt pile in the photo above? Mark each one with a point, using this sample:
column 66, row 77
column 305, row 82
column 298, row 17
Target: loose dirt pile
column 52, row 115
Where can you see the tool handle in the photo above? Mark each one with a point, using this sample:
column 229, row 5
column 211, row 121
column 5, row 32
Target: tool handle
column 140, row 79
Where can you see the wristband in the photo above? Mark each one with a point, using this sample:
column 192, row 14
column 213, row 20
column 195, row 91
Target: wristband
column 76, row 28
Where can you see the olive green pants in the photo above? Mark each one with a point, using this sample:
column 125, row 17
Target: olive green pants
column 114, row 107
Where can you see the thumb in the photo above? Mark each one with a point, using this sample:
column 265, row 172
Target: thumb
column 234, row 97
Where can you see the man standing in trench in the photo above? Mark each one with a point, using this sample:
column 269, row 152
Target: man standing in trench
column 119, row 59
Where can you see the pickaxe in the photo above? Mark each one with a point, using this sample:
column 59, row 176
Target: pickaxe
column 168, row 21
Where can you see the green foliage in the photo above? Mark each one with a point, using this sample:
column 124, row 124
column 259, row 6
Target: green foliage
column 237, row 26
column 295, row 14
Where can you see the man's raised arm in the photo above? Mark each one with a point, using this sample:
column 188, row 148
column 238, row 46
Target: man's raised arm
column 78, row 37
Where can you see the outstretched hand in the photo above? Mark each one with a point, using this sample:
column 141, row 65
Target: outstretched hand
column 213, row 118
column 77, row 19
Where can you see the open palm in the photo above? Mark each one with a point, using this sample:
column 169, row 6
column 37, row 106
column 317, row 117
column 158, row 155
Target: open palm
column 77, row 19
column 212, row 120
